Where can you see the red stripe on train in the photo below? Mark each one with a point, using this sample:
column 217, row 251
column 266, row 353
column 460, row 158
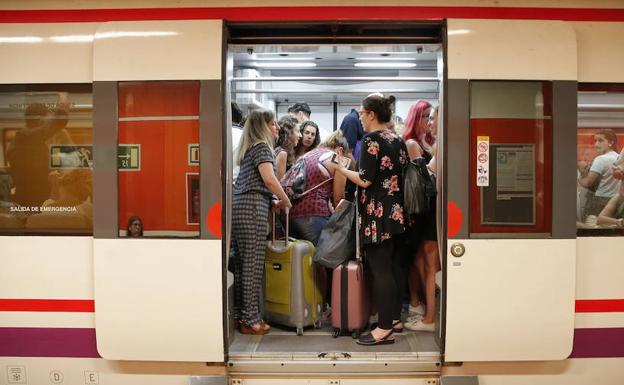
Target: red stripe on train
column 311, row 14
column 48, row 305
column 599, row 305
column 88, row 306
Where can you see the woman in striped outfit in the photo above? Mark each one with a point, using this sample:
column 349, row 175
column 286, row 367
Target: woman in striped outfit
column 252, row 195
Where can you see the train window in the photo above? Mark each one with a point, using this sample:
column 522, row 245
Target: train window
column 158, row 159
column 511, row 169
column 46, row 159
column 600, row 154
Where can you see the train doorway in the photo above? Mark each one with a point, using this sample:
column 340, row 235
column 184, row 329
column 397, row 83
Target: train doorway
column 273, row 70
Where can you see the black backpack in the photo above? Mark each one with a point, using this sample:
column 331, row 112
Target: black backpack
column 418, row 187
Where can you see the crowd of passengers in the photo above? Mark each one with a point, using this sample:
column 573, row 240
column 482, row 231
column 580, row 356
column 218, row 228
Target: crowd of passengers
column 400, row 251
column 601, row 190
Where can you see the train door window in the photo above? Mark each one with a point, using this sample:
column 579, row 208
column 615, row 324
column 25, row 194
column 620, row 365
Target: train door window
column 511, row 162
column 600, row 154
column 46, row 159
column 158, row 159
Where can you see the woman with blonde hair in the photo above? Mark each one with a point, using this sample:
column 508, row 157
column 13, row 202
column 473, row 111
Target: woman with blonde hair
column 252, row 195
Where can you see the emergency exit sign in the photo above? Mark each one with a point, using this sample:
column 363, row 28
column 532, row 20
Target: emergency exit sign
column 129, row 157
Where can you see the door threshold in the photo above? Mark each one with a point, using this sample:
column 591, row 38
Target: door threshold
column 335, row 363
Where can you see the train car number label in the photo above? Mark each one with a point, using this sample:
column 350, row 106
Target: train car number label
column 129, row 157
column 91, row 378
column 16, row 374
column 56, row 377
column 483, row 161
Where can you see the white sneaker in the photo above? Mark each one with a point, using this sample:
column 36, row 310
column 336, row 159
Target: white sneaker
column 416, row 312
column 419, row 326
column 414, row 317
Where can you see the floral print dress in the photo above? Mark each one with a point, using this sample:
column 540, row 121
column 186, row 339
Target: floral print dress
column 382, row 160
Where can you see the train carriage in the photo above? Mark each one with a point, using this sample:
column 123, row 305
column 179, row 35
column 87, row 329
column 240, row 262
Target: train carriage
column 137, row 124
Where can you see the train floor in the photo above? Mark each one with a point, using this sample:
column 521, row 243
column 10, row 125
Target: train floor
column 317, row 341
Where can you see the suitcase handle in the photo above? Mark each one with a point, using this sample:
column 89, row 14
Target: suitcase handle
column 358, row 257
column 286, row 211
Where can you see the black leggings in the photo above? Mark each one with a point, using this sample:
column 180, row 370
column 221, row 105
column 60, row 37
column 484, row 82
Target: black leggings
column 384, row 262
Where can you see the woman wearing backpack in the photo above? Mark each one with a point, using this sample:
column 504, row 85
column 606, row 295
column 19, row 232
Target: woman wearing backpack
column 381, row 216
column 420, row 126
column 325, row 186
column 253, row 191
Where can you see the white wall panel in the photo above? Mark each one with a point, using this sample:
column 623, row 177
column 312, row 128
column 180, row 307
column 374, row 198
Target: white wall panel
column 501, row 308
column 600, row 52
column 108, row 372
column 46, row 267
column 600, row 268
column 159, row 299
column 603, row 371
column 47, row 53
column 21, row 319
column 158, row 50
column 511, row 50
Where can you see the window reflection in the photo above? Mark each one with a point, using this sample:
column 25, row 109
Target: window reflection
column 46, row 160
column 158, row 158
column 600, row 153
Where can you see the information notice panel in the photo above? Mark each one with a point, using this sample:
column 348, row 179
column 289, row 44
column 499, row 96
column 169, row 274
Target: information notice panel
column 509, row 199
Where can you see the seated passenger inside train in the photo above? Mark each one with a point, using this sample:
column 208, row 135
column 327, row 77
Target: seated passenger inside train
column 598, row 176
column 134, row 228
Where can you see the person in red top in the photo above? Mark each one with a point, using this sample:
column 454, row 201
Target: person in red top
column 310, row 213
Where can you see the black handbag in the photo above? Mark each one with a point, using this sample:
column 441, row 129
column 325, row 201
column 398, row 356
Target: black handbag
column 418, row 187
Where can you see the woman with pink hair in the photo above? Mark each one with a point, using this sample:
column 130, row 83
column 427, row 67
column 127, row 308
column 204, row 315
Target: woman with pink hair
column 422, row 236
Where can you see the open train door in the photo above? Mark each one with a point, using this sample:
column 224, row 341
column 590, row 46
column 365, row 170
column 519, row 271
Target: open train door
column 509, row 190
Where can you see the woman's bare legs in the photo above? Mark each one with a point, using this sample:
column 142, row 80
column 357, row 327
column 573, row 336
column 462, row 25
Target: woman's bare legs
column 431, row 267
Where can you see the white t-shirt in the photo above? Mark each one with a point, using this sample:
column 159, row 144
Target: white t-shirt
column 602, row 165
column 237, row 132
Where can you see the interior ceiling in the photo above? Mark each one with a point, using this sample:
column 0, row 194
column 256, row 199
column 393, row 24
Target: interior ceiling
column 337, row 62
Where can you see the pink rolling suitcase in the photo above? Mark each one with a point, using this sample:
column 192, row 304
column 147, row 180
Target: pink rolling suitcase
column 349, row 300
column 350, row 304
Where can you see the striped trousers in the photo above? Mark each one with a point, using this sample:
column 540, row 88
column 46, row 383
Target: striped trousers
column 249, row 233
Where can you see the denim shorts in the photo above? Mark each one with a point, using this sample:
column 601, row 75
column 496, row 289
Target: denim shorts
column 308, row 228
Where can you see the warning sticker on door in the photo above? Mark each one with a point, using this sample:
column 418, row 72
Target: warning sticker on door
column 483, row 161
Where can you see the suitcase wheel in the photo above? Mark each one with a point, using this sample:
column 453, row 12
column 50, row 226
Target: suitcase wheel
column 299, row 331
column 356, row 333
column 336, row 333
column 318, row 324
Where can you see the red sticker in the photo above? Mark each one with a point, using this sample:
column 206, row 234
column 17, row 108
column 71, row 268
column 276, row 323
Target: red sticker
column 454, row 219
column 213, row 220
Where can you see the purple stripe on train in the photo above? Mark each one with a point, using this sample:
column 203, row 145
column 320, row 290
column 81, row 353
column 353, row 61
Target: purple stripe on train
column 600, row 342
column 48, row 342
column 81, row 342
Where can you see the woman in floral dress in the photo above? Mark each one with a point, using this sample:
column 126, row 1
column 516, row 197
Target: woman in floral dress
column 381, row 215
